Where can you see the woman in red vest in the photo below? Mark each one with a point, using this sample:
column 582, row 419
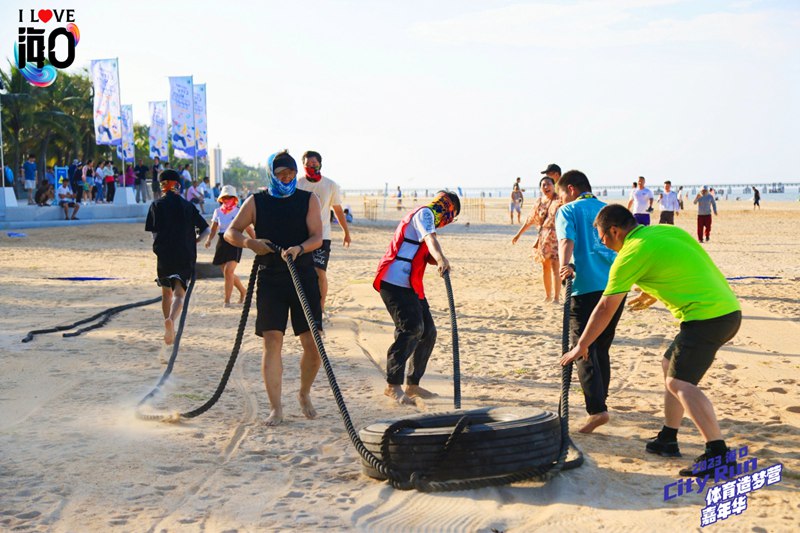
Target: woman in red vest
column 399, row 281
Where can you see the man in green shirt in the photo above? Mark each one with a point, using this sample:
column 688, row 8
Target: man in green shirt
column 668, row 263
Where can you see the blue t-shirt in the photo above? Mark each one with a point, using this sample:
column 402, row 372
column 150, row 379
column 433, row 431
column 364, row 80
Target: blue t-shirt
column 30, row 171
column 592, row 260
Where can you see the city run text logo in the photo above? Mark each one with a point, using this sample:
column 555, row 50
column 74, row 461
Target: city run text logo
column 39, row 52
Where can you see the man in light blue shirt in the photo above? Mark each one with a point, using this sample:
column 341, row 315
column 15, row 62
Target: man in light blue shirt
column 584, row 258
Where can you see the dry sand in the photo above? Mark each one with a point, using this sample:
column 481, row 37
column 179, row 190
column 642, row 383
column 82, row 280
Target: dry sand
column 74, row 458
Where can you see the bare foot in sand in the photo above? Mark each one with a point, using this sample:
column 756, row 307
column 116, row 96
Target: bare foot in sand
column 169, row 331
column 415, row 391
column 306, row 407
column 395, row 392
column 275, row 417
column 594, row 421
column 241, row 297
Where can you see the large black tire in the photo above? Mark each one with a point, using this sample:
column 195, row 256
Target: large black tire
column 499, row 440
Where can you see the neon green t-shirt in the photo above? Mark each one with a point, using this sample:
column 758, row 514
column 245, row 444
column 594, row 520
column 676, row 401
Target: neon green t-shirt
column 669, row 264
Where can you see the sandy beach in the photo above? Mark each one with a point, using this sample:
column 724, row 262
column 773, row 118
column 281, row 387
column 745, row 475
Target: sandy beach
column 73, row 457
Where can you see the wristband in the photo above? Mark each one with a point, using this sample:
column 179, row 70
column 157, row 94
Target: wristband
column 302, row 250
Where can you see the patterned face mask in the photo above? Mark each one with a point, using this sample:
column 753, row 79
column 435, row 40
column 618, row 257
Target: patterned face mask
column 279, row 189
column 312, row 174
column 169, row 185
column 444, row 210
column 228, row 203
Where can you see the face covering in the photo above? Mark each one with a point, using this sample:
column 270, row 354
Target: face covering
column 279, row 189
column 313, row 175
column 228, row 203
column 169, row 185
column 444, row 210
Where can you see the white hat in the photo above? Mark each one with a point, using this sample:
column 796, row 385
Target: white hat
column 227, row 190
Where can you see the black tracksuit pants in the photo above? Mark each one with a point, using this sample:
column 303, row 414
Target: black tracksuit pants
column 595, row 372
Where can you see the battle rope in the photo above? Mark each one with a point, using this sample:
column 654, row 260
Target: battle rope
column 454, row 333
column 104, row 317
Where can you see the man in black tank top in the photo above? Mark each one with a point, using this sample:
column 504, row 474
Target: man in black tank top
column 291, row 219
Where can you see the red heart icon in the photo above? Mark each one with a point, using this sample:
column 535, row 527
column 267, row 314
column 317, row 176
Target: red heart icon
column 45, row 15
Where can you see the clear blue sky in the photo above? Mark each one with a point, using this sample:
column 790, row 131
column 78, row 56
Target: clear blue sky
column 472, row 93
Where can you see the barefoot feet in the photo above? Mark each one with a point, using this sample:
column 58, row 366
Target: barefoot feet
column 169, row 331
column 306, row 407
column 594, row 421
column 275, row 417
column 415, row 391
column 395, row 392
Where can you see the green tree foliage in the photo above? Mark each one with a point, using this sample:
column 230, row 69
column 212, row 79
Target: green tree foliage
column 244, row 177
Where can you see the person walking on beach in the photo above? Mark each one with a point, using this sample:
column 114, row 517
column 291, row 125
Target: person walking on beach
column 669, row 204
column 545, row 249
column 584, row 258
column 553, row 172
column 518, row 183
column 291, row 219
column 110, row 182
column 177, row 227
column 705, row 205
column 330, row 198
column 641, row 199
column 399, row 282
column 399, row 198
column 756, row 199
column 515, row 206
column 667, row 263
column 226, row 255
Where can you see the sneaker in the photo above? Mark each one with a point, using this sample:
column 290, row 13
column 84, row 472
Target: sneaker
column 708, row 238
column 662, row 448
column 700, row 240
column 706, row 465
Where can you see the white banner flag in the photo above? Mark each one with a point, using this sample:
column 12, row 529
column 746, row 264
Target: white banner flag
column 127, row 134
column 200, row 120
column 158, row 130
column 181, row 104
column 107, row 113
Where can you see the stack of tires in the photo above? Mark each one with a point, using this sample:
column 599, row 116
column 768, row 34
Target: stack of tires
column 498, row 441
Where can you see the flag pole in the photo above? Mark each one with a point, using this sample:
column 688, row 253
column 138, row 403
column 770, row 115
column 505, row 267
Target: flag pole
column 121, row 134
column 194, row 129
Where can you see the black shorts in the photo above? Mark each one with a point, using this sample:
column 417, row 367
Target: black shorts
column 226, row 252
column 694, row 348
column 276, row 295
column 322, row 255
column 168, row 275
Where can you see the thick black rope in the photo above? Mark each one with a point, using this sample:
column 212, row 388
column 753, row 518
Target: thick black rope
column 104, row 317
column 454, row 333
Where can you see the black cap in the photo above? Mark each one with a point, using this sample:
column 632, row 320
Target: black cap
column 552, row 167
column 283, row 159
column 169, row 175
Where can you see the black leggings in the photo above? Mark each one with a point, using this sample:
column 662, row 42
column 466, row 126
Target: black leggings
column 110, row 188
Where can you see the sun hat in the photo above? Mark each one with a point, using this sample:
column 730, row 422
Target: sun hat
column 227, row 190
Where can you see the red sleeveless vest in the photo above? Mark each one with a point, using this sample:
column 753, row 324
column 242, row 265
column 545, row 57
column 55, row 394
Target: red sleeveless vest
column 418, row 263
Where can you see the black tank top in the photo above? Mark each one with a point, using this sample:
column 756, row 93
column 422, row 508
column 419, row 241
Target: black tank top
column 283, row 221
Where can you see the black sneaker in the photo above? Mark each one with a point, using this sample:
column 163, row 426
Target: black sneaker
column 662, row 448
column 706, row 464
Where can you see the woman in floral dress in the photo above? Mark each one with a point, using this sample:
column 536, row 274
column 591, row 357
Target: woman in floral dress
column 545, row 249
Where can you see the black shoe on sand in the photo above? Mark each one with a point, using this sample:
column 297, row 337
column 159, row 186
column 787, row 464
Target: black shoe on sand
column 706, row 464
column 662, row 448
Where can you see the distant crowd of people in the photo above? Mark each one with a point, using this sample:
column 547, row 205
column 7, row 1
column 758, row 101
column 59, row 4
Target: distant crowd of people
column 96, row 181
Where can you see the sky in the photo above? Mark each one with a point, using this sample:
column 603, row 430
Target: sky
column 470, row 93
